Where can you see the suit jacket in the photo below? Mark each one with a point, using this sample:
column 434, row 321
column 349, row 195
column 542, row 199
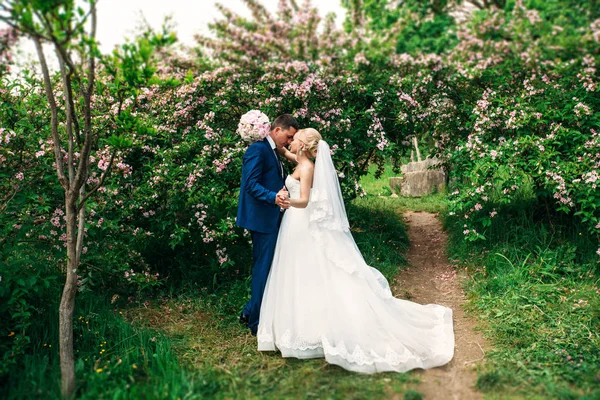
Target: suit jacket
column 261, row 180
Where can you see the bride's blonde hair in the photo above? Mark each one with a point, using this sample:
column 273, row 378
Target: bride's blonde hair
column 311, row 141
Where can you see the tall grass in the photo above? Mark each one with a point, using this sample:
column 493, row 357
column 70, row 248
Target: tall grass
column 113, row 359
column 534, row 282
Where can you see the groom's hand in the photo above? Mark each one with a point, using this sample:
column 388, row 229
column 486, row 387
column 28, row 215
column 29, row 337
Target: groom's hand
column 282, row 198
column 282, row 203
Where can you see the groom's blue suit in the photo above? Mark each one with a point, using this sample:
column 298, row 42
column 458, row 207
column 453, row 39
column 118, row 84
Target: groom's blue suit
column 262, row 178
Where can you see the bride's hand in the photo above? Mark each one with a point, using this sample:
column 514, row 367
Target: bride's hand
column 283, row 198
column 287, row 154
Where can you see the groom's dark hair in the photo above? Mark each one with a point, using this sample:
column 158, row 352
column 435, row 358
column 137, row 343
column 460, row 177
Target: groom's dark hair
column 285, row 122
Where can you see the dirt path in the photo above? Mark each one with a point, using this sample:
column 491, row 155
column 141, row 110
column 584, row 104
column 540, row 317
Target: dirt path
column 431, row 279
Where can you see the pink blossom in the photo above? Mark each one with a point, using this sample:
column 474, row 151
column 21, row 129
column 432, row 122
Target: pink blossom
column 582, row 109
column 361, row 59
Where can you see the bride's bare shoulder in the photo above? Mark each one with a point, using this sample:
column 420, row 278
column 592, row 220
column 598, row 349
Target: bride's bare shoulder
column 307, row 166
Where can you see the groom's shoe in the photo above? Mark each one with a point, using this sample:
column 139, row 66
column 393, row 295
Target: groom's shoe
column 244, row 319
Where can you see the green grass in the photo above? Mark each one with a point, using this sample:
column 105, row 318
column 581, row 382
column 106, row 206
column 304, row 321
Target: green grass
column 535, row 288
column 380, row 234
column 208, row 339
column 378, row 186
column 379, row 195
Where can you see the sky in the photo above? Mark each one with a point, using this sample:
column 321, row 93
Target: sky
column 190, row 16
column 117, row 19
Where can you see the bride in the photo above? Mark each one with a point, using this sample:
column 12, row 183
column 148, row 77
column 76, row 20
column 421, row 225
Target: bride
column 323, row 300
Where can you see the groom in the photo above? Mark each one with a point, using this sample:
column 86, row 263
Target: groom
column 263, row 197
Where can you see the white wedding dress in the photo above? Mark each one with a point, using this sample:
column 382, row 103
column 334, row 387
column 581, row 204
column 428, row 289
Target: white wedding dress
column 322, row 300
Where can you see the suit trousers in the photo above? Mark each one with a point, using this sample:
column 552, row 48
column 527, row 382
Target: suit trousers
column 263, row 248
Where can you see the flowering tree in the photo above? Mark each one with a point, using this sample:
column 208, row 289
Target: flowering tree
column 296, row 35
column 509, row 102
column 59, row 25
column 293, row 33
column 82, row 125
column 405, row 26
column 8, row 37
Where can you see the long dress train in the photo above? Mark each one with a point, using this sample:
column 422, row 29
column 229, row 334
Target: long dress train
column 322, row 300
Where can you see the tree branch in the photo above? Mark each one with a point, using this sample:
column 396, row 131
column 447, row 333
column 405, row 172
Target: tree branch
column 477, row 4
column 63, row 57
column 54, row 112
column 92, row 60
column 66, row 76
column 100, row 183
column 80, row 24
column 7, row 200
column 59, row 46
column 366, row 163
column 87, row 146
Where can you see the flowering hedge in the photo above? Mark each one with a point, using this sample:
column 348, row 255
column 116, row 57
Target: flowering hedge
column 167, row 210
column 511, row 107
column 186, row 172
column 528, row 104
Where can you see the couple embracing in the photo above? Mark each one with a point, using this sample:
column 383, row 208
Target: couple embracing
column 312, row 294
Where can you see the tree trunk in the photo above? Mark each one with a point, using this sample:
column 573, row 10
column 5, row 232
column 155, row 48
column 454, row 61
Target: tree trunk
column 67, row 302
column 80, row 226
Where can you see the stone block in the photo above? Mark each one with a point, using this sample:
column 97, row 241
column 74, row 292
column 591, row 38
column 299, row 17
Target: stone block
column 421, row 183
column 418, row 179
column 419, row 165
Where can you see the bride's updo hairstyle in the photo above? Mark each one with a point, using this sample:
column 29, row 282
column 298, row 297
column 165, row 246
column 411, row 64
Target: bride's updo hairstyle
column 311, row 141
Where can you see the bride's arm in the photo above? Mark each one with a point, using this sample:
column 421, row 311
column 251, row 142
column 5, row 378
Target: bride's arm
column 306, row 178
column 287, row 154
